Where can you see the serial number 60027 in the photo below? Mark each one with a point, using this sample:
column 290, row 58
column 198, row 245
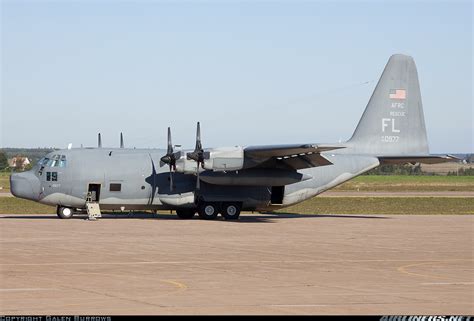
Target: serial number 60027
column 390, row 139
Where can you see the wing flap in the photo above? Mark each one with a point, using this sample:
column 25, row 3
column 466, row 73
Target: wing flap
column 292, row 157
column 287, row 150
column 303, row 161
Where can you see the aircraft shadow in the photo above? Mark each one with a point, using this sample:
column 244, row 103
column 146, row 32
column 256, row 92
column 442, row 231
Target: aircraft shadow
column 271, row 217
column 244, row 218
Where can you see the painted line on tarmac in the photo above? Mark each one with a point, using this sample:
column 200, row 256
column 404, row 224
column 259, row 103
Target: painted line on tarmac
column 26, row 289
column 179, row 285
column 403, row 268
column 449, row 283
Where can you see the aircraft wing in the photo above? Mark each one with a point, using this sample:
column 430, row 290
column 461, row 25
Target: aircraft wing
column 293, row 156
column 426, row 159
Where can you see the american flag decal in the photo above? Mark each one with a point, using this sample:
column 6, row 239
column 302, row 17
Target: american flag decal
column 398, row 94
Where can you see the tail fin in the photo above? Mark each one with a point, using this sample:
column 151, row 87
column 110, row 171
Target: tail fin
column 393, row 122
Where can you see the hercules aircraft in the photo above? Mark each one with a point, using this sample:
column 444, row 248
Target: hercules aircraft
column 229, row 180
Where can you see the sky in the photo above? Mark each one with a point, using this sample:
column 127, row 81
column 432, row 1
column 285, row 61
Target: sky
column 252, row 72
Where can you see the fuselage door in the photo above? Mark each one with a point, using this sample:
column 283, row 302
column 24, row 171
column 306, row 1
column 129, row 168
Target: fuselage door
column 94, row 191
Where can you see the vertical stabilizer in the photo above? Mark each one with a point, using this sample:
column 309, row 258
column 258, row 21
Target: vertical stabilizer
column 393, row 121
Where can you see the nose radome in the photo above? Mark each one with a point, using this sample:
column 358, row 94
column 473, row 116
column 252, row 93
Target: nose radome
column 25, row 185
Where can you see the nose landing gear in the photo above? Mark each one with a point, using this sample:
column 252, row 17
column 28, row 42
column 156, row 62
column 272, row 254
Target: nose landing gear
column 64, row 212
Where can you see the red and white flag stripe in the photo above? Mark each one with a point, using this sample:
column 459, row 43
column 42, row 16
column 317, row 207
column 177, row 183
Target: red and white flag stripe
column 398, row 94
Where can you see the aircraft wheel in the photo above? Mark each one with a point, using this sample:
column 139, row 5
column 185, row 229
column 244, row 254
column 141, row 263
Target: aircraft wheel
column 208, row 211
column 64, row 212
column 185, row 213
column 231, row 211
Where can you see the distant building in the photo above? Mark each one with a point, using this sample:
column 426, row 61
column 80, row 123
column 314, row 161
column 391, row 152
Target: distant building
column 470, row 159
column 19, row 162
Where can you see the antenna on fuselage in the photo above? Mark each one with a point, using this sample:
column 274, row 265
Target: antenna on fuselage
column 121, row 140
column 99, row 141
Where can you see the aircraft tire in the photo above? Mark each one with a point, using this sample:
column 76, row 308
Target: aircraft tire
column 208, row 211
column 231, row 211
column 185, row 214
column 64, row 212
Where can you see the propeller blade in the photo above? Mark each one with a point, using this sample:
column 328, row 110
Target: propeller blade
column 99, row 141
column 198, row 154
column 121, row 140
column 171, row 178
column 198, row 184
column 170, row 145
column 170, row 157
column 198, row 137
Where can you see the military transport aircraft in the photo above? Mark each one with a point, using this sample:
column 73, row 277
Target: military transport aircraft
column 228, row 180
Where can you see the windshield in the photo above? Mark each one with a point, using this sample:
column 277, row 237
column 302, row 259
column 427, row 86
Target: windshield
column 51, row 161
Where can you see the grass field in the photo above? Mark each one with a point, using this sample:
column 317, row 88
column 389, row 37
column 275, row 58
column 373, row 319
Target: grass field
column 4, row 182
column 316, row 205
column 13, row 205
column 394, row 183
column 383, row 205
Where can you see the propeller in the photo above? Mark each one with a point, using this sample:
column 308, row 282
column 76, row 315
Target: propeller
column 121, row 140
column 170, row 158
column 198, row 154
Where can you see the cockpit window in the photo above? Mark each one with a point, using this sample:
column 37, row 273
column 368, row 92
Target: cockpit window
column 43, row 161
column 62, row 161
column 54, row 161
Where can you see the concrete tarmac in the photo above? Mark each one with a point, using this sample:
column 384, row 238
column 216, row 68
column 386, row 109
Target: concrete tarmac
column 262, row 264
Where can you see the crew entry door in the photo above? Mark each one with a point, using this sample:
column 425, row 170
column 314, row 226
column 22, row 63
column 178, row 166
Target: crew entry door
column 94, row 190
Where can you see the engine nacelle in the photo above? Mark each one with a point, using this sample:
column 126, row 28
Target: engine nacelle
column 225, row 159
column 217, row 160
column 186, row 166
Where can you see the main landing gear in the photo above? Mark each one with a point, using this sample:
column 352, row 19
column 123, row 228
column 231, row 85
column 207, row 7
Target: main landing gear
column 228, row 210
column 210, row 210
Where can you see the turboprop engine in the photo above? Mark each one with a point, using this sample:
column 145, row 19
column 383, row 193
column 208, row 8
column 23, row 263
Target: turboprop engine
column 224, row 166
column 217, row 160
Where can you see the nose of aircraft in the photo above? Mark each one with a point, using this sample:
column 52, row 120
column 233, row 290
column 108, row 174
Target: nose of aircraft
column 25, row 185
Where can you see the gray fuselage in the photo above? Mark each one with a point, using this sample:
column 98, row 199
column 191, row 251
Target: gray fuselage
column 132, row 179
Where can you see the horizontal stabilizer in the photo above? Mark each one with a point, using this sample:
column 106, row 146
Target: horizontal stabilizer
column 428, row 159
